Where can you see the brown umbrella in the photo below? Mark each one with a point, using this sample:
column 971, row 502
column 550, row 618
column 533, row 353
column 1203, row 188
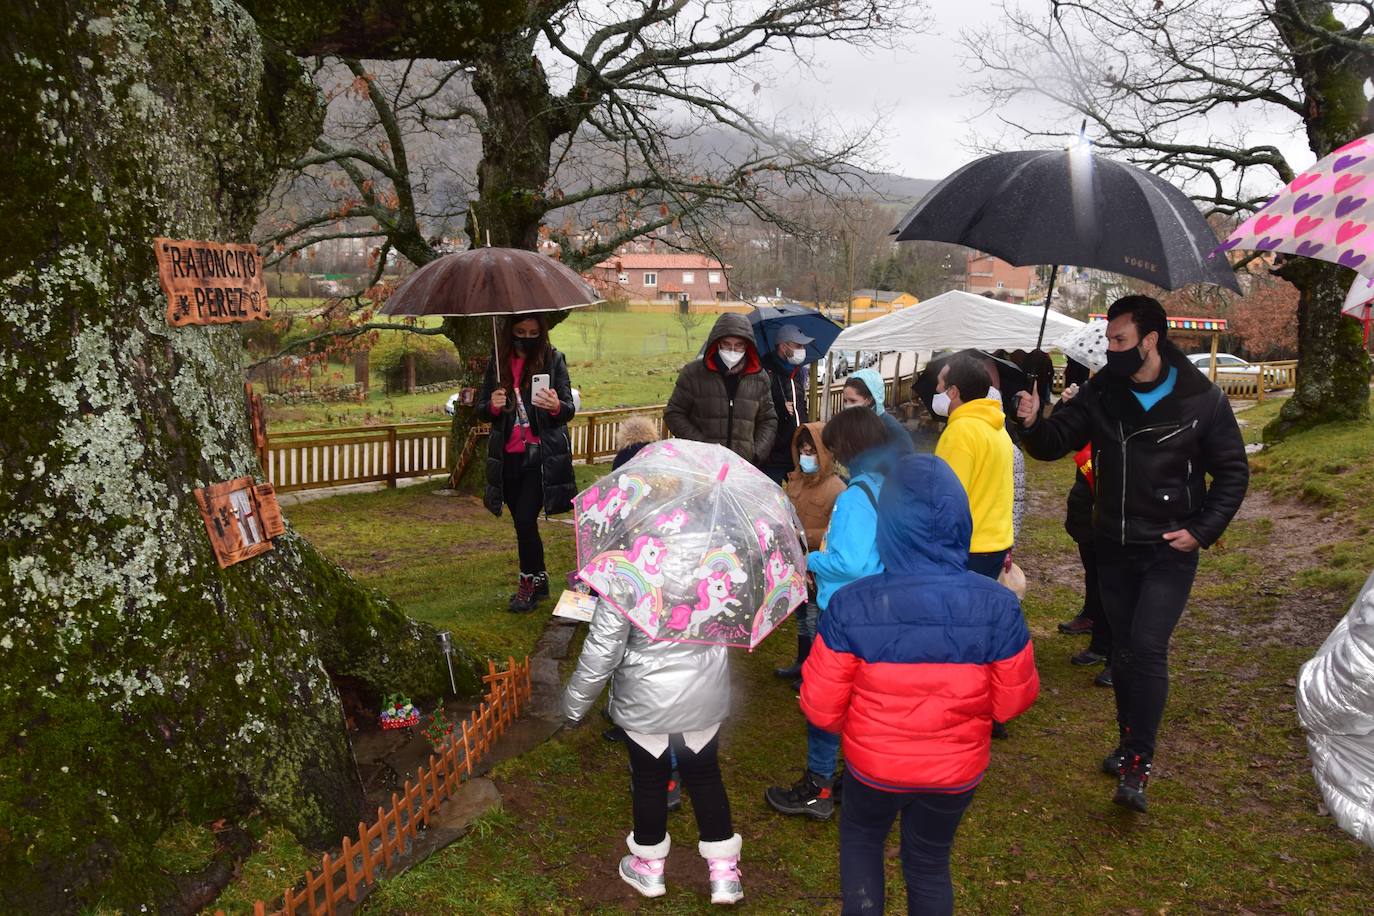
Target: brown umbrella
column 490, row 281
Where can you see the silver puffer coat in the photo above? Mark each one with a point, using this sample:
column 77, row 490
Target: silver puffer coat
column 1336, row 706
column 657, row 688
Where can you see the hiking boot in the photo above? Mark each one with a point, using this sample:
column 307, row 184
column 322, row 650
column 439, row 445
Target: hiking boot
column 999, row 730
column 1087, row 658
column 541, row 586
column 1113, row 762
column 811, row 796
column 793, row 671
column 642, row 869
column 522, row 602
column 1079, row 626
column 1104, row 678
column 674, row 792
column 722, row 865
column 1130, row 788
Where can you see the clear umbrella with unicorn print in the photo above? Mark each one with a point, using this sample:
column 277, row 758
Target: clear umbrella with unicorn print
column 692, row 544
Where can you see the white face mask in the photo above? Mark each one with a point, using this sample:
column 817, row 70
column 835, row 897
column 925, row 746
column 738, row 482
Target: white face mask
column 994, row 395
column 939, row 405
column 798, row 357
column 731, row 358
column 809, row 464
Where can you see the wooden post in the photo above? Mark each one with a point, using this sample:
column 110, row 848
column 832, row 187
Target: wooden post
column 408, row 368
column 394, row 453
column 1215, row 339
column 1259, row 385
column 591, row 438
column 362, row 370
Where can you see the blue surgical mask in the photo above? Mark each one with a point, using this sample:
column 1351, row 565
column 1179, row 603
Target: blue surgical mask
column 809, row 464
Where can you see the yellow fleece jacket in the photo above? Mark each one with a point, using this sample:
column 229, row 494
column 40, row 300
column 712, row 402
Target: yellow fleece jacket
column 976, row 445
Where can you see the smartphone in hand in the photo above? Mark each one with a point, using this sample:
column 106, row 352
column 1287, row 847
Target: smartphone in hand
column 539, row 383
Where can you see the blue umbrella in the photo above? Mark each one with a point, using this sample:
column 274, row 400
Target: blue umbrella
column 767, row 319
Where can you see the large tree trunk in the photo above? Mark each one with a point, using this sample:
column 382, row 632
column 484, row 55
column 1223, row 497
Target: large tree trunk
column 1333, row 367
column 140, row 682
column 521, row 126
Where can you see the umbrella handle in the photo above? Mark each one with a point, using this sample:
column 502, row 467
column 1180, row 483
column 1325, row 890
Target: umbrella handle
column 495, row 345
column 1045, row 316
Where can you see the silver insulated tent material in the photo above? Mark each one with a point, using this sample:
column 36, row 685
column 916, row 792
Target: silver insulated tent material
column 1336, row 707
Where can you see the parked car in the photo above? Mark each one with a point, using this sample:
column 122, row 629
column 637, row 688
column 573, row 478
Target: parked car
column 1226, row 362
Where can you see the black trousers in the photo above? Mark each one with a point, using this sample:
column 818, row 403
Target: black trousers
column 700, row 772
column 1144, row 590
column 929, row 822
column 1101, row 641
column 524, row 496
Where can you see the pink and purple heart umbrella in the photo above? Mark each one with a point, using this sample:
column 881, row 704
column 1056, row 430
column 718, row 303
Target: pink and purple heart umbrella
column 1327, row 212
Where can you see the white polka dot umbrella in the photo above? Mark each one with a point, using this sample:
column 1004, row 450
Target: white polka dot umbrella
column 1086, row 345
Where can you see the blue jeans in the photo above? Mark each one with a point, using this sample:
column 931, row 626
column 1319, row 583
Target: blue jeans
column 929, row 821
column 822, row 749
column 808, row 616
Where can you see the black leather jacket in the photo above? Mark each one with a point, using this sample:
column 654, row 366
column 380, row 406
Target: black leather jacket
column 1151, row 467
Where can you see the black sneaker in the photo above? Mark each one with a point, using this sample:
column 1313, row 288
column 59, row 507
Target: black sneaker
column 674, row 792
column 1113, row 762
column 522, row 602
column 1086, row 658
column 811, row 796
column 541, row 585
column 1104, row 678
column 1130, row 789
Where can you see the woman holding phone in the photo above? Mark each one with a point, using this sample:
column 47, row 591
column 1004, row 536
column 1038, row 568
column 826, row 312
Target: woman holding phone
column 527, row 396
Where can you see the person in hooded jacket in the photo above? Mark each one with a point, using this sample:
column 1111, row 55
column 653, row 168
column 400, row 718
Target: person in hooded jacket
column 725, row 397
column 1159, row 428
column 670, row 698
column 859, row 441
column 910, row 667
column 786, row 366
column 813, row 488
column 865, row 388
column 529, row 453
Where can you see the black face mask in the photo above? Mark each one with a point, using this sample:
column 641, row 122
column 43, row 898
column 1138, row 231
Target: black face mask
column 1124, row 363
column 525, row 345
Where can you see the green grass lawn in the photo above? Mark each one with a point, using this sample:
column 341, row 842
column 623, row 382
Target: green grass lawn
column 640, row 355
column 1235, row 823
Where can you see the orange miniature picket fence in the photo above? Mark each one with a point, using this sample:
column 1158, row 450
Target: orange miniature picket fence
column 366, row 858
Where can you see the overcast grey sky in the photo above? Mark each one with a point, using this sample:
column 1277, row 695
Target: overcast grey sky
column 920, row 91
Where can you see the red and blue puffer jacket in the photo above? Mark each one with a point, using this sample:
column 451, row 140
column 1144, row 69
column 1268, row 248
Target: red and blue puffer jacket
column 912, row 665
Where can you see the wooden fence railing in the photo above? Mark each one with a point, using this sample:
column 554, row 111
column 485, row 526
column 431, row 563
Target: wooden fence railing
column 364, row 860
column 1253, row 386
column 309, row 459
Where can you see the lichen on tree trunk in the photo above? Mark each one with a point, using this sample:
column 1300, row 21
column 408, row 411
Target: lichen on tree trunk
column 141, row 682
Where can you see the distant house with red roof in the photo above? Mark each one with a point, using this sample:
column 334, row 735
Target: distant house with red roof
column 651, row 275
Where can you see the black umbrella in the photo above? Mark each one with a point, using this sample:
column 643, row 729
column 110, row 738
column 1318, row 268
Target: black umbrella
column 1011, row 379
column 1071, row 207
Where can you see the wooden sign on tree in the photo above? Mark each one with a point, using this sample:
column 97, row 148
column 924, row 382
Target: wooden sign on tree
column 211, row 282
column 241, row 518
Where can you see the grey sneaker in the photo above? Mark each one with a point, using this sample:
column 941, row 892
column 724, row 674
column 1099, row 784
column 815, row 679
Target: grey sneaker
column 644, row 875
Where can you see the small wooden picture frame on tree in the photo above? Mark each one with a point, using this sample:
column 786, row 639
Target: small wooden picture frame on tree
column 478, row 363
column 241, row 518
column 467, row 396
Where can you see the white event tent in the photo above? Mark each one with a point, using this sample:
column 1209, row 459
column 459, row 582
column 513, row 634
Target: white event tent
column 956, row 320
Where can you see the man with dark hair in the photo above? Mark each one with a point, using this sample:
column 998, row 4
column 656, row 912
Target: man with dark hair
column 976, row 446
column 1159, row 428
column 786, row 367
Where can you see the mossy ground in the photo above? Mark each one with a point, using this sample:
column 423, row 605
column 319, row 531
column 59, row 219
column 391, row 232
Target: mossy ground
column 1235, row 824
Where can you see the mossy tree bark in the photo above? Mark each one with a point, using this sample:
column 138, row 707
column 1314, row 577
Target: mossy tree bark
column 140, row 682
column 1333, row 376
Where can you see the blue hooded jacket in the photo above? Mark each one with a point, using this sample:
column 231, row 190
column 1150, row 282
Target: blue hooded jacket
column 850, row 550
column 912, row 665
column 896, row 433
